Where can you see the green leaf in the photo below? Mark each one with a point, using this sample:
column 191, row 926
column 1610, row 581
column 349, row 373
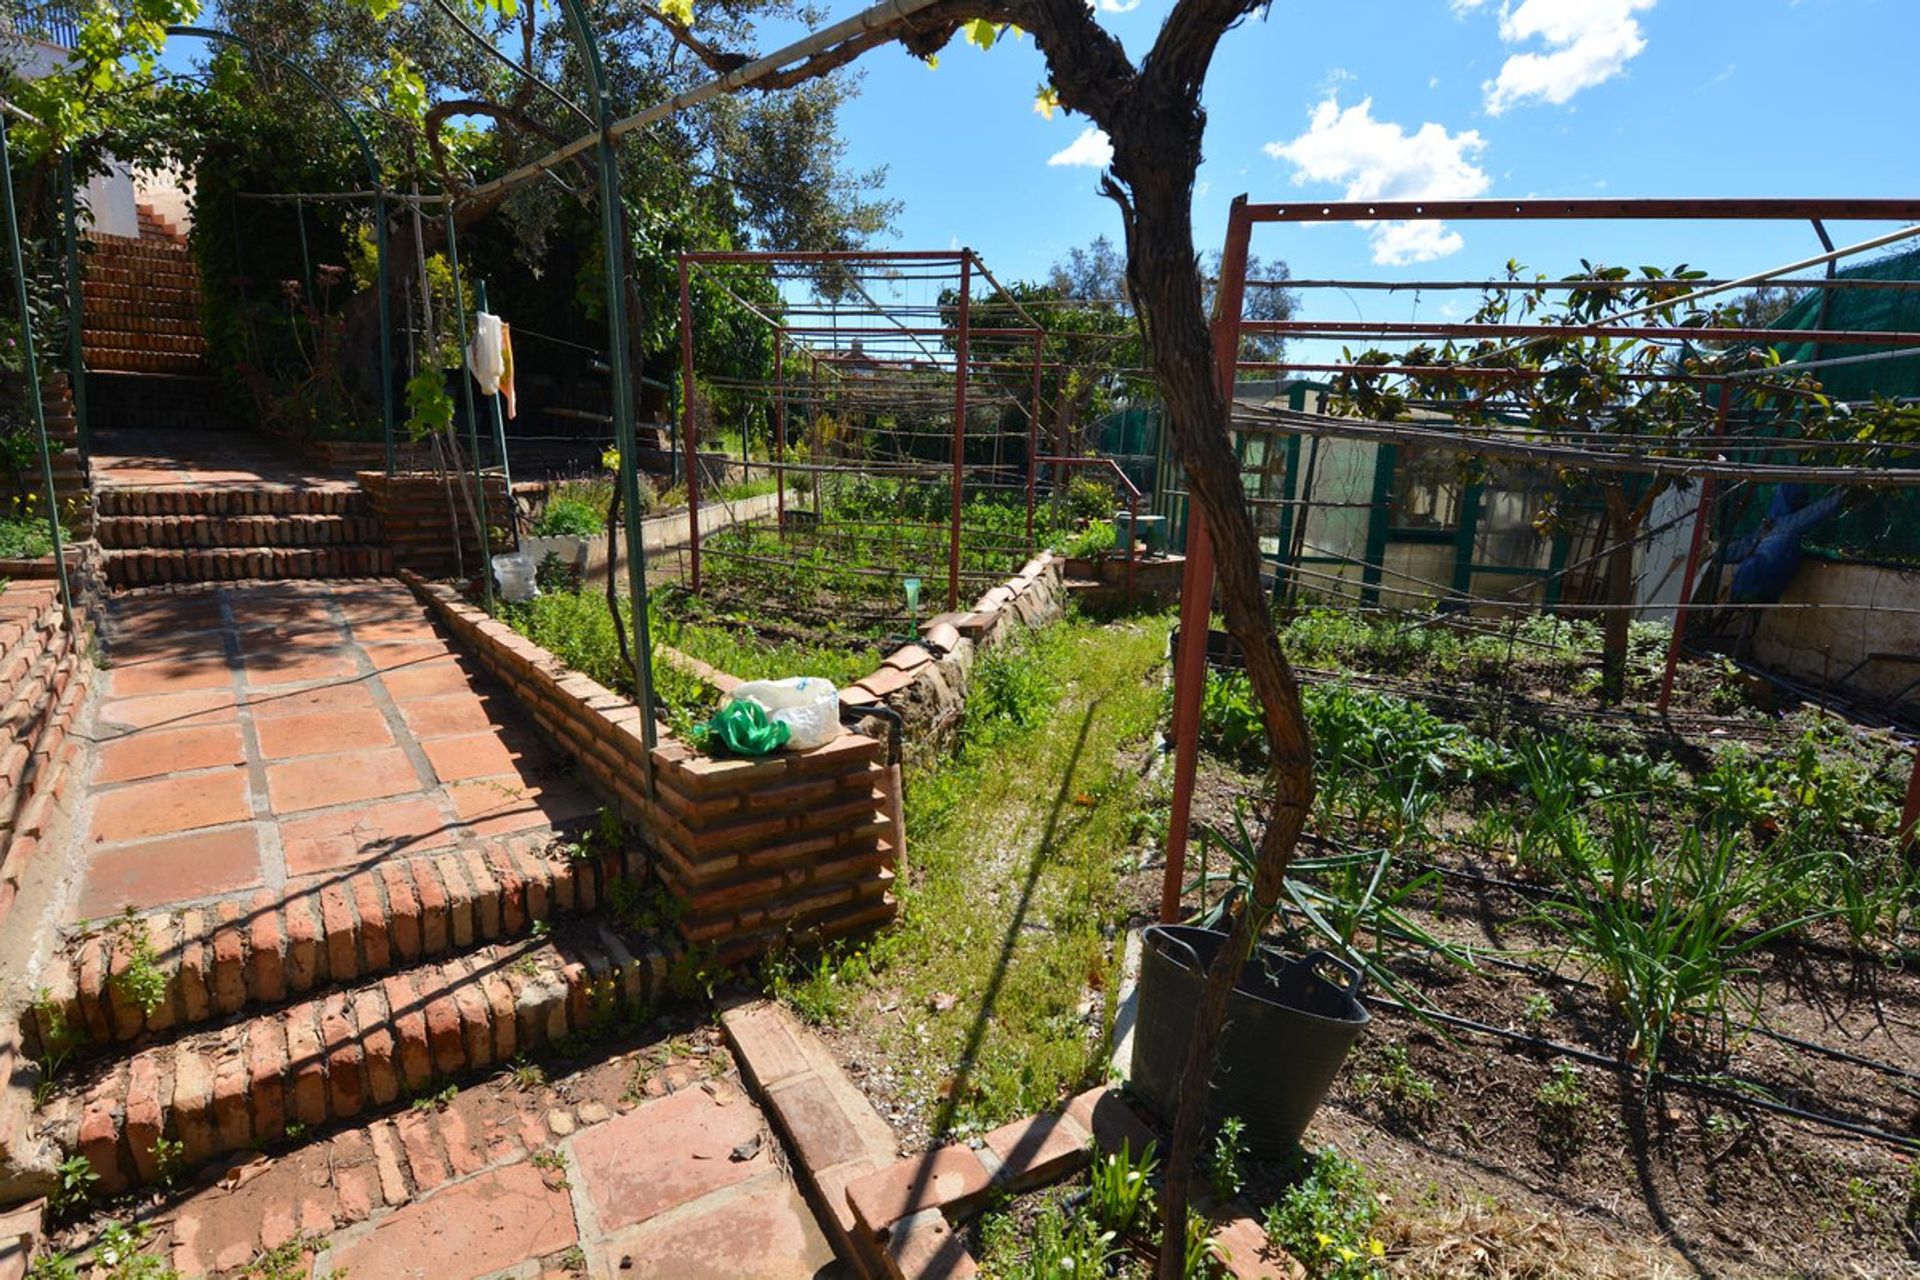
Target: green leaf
column 981, row 32
column 1046, row 101
column 680, row 11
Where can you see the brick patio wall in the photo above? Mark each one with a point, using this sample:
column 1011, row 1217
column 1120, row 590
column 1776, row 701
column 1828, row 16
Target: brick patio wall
column 43, row 680
column 421, row 529
column 796, row 843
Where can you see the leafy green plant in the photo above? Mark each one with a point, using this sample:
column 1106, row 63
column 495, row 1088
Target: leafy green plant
column 1009, row 691
column 1405, row 1096
column 117, row 1255
column 72, row 1187
column 142, row 982
column 1670, row 935
column 1118, row 1187
column 1562, row 1107
column 167, row 1156
column 1224, row 1173
column 1199, row 1257
column 1099, row 536
column 566, row 515
column 57, row 1043
column 1325, row 1218
column 1065, row 1247
column 817, row 991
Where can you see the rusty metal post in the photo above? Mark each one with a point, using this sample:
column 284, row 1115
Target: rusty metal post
column 1033, row 440
column 780, row 432
column 1196, row 591
column 1133, row 540
column 961, row 358
column 1694, row 547
column 689, row 430
column 1909, row 835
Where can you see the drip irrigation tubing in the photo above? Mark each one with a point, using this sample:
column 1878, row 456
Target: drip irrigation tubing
column 1707, row 1088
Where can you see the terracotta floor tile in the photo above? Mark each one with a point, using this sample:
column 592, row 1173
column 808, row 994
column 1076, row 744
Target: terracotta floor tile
column 164, row 806
column 165, row 614
column 356, row 837
column 177, row 869
column 265, row 638
column 384, row 626
column 314, row 782
column 348, row 696
column 479, row 755
column 427, row 679
column 399, row 655
column 503, row 805
column 320, row 733
column 208, row 671
column 454, row 713
column 152, row 752
column 300, row 665
column 174, row 710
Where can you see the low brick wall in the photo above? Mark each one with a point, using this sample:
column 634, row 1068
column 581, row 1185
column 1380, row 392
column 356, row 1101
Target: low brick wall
column 43, row 680
column 799, row 843
column 419, row 527
column 926, row 683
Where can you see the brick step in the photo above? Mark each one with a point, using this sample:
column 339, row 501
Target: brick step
column 134, row 278
column 105, row 291
column 126, row 361
column 217, row 501
column 114, row 316
column 121, row 532
column 217, row 961
column 172, row 343
column 347, row 1054
column 148, row 567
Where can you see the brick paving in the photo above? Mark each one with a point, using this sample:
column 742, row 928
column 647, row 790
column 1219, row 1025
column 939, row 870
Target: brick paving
column 277, row 736
column 129, row 459
column 652, row 1162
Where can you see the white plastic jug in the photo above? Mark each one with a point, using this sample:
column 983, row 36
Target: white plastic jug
column 515, row 574
column 807, row 705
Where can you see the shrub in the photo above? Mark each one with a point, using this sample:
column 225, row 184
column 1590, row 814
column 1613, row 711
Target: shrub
column 566, row 516
column 1326, row 1217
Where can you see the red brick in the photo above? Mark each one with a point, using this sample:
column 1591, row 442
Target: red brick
column 265, row 949
column 486, row 894
column 1038, row 1150
column 500, row 1009
column 924, row 1246
column 443, row 1029
column 463, row 1155
column 471, row 999
column 99, row 1136
column 409, row 1024
column 665, row 1154
column 232, row 1114
column 346, row 1074
column 513, row 890
column 1104, row 1114
column 337, row 923
column 229, row 960
column 377, row 1044
column 306, row 1059
column 322, row 733
column 403, row 912
column 146, row 1113
column 435, row 915
column 373, row 922
column 950, row 1178
column 421, row 1144
column 196, row 958
column 303, row 943
column 534, row 876
column 386, row 1159
column 156, row 752
column 493, row 1222
column 267, row 1076
column 193, row 1105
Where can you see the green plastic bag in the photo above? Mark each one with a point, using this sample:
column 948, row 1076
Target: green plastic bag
column 744, row 728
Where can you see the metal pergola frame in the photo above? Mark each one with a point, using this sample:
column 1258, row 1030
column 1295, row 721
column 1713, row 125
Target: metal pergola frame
column 790, row 336
column 1230, row 324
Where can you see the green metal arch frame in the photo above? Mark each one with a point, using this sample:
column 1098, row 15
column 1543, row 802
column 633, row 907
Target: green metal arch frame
column 379, row 205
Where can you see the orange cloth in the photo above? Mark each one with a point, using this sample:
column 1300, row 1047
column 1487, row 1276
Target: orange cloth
column 506, row 357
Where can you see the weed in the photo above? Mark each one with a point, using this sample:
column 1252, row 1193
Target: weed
column 294, row 1133
column 1118, row 1187
column 525, row 1075
column 555, row 1163
column 1537, row 1012
column 57, row 1043
column 572, row 1258
column 1563, row 1110
column 1199, row 1258
column 817, row 992
column 1325, row 1219
column 167, row 1156
column 1224, row 1172
column 117, row 1255
column 1009, row 691
column 527, row 967
column 644, row 907
column 1406, row 1096
column 142, row 982
column 436, row 1101
column 285, row 1261
column 73, row 1186
column 1063, row 1247
column 541, row 929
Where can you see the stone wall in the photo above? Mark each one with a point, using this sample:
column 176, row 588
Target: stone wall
column 419, row 527
column 43, row 680
column 1868, row 609
column 797, row 843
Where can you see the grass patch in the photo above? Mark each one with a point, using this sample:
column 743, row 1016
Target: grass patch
column 1017, row 851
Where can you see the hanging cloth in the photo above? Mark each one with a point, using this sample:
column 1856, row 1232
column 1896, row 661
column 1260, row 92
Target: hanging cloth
column 506, row 361
column 483, row 352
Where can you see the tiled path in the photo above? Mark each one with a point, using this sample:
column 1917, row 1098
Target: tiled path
column 650, row 1165
column 255, row 737
column 146, row 458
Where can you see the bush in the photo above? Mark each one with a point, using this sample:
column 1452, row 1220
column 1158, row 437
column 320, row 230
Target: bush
column 24, row 537
column 1090, row 499
column 567, row 516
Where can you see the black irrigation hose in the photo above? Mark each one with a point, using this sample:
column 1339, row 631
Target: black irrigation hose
column 1905, row 1142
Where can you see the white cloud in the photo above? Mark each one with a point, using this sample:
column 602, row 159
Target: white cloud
column 1090, row 150
column 1379, row 160
column 1588, row 42
column 1119, row 6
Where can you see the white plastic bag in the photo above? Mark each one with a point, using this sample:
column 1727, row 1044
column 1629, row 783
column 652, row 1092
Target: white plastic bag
column 807, row 705
column 514, row 571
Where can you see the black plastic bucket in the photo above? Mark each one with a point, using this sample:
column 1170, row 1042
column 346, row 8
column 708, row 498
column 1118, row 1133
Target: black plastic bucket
column 1288, row 1030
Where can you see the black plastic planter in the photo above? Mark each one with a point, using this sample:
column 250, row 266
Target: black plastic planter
column 1288, row 1030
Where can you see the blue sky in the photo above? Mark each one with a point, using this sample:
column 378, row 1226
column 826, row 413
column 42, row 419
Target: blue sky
column 1427, row 98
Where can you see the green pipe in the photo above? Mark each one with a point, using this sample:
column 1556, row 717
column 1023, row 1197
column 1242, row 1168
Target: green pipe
column 32, row 371
column 76, row 306
column 306, row 258
column 615, row 255
column 473, row 419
